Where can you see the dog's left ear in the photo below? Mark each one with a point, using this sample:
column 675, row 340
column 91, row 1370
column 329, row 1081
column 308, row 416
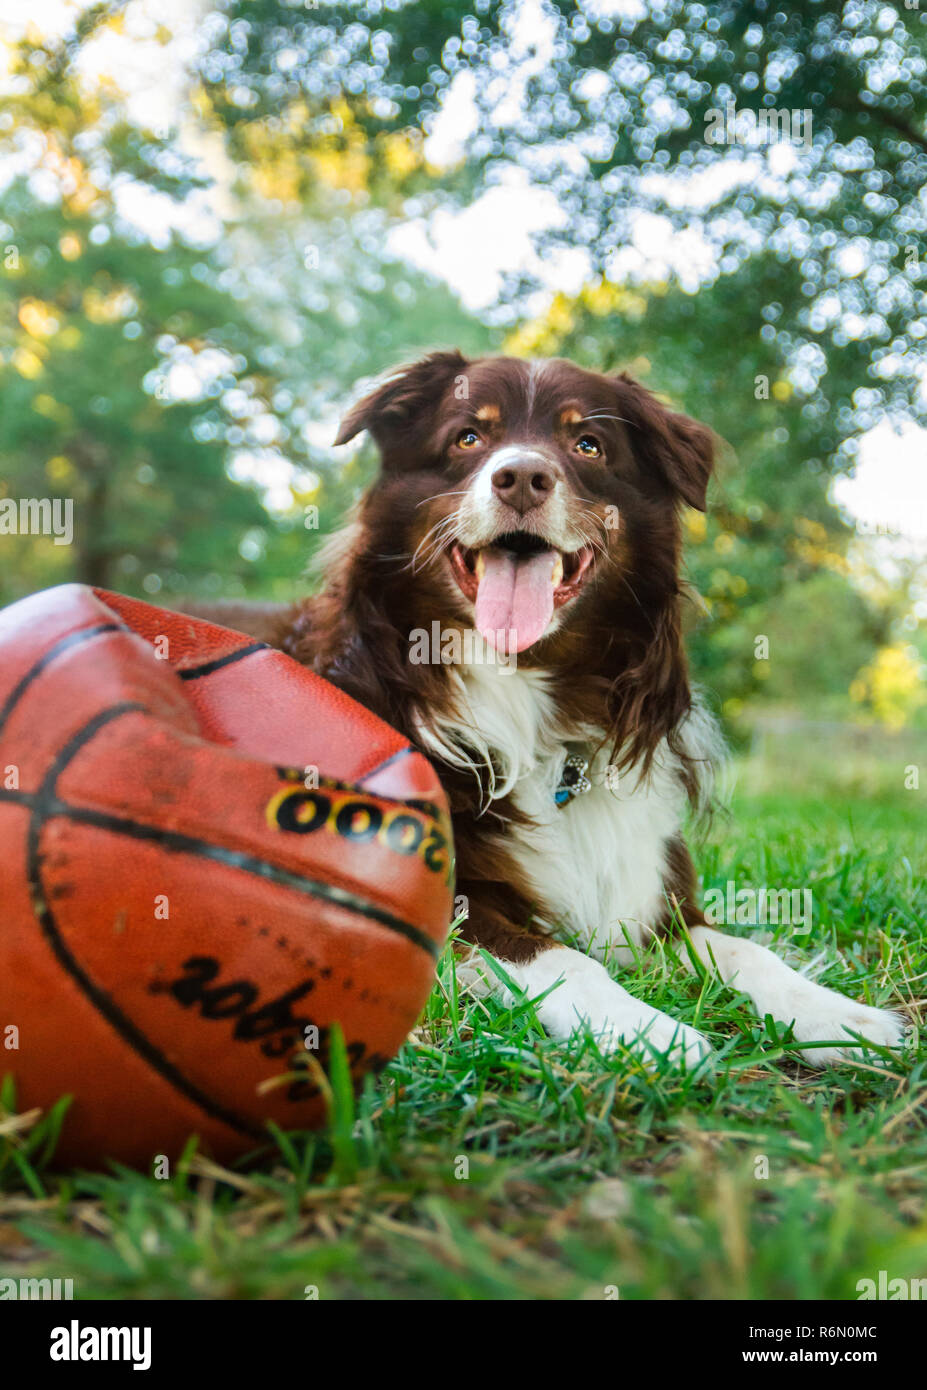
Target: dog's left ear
column 680, row 448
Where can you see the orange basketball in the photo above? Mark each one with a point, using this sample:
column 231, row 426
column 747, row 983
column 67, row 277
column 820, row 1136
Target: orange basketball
column 209, row 857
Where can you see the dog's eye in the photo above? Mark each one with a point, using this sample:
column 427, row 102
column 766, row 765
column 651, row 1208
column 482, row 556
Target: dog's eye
column 467, row 439
column 588, row 447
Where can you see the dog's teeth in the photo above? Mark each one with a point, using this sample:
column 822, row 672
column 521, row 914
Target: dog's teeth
column 480, row 565
column 558, row 570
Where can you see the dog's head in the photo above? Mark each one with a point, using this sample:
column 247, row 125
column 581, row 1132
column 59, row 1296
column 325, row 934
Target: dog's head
column 538, row 497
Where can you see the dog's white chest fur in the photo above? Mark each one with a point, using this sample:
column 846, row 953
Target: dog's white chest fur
column 596, row 864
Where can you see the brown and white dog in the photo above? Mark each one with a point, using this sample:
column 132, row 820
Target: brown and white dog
column 508, row 596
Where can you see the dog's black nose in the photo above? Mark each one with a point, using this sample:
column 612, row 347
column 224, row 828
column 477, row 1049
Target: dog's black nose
column 524, row 484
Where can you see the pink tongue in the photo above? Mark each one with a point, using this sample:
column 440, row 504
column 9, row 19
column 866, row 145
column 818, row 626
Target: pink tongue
column 515, row 600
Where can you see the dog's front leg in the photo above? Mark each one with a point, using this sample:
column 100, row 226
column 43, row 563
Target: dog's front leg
column 569, row 989
column 817, row 1014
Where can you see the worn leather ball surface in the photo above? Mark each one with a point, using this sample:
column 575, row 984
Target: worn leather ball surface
column 208, row 857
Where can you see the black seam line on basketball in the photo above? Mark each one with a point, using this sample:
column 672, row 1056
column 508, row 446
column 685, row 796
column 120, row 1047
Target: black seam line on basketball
column 247, row 863
column 97, row 996
column 73, row 639
column 193, row 673
column 17, row 798
column 388, row 762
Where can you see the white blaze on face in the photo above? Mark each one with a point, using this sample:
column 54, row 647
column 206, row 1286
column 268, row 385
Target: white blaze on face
column 515, row 599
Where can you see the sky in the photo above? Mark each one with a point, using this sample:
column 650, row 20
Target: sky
column 473, row 249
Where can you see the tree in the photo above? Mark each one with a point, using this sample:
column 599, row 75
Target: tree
column 114, row 351
column 632, row 115
column 167, row 387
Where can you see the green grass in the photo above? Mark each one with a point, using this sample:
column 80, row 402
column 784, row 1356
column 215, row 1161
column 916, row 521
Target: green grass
column 490, row 1162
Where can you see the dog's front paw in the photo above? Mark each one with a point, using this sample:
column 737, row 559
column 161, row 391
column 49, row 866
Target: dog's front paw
column 650, row 1033
column 572, row 990
column 816, row 1014
column 823, row 1015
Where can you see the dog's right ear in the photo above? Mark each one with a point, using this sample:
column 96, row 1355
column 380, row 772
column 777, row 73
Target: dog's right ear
column 396, row 410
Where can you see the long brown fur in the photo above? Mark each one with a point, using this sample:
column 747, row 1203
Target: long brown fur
column 617, row 660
